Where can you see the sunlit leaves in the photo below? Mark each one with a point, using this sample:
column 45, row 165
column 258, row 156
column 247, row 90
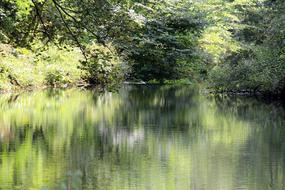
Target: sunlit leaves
column 24, row 7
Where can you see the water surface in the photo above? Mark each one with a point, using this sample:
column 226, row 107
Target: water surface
column 142, row 137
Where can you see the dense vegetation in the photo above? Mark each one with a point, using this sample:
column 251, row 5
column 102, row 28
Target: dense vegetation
column 226, row 44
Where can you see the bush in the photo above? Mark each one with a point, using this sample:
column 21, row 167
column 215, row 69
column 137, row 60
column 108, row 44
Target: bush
column 51, row 66
column 103, row 66
column 262, row 70
column 55, row 78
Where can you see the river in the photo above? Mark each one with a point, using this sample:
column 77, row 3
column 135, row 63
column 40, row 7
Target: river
column 142, row 138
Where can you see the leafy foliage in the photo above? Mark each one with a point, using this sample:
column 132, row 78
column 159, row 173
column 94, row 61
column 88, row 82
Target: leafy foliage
column 232, row 44
column 246, row 47
column 23, row 68
column 103, row 66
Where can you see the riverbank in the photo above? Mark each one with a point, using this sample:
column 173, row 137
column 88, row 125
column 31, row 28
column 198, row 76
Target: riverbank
column 39, row 68
column 27, row 69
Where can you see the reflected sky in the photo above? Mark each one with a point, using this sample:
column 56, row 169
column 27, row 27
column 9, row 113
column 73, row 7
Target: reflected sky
column 141, row 137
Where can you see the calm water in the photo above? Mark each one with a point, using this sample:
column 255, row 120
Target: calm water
column 153, row 138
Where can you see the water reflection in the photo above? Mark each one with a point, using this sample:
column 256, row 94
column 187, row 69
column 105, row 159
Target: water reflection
column 143, row 137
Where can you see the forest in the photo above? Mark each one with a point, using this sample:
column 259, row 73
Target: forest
column 142, row 94
column 222, row 45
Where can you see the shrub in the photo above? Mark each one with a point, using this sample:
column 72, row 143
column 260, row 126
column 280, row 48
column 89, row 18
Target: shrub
column 55, row 78
column 103, row 66
column 262, row 70
column 51, row 66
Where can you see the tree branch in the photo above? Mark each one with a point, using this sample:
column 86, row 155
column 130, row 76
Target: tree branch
column 41, row 20
column 80, row 25
column 69, row 30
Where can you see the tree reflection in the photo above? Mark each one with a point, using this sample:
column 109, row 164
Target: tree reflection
column 155, row 137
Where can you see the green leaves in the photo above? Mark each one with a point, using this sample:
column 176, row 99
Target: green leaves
column 103, row 66
column 24, row 7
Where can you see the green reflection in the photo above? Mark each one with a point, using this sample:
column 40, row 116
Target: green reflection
column 143, row 137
